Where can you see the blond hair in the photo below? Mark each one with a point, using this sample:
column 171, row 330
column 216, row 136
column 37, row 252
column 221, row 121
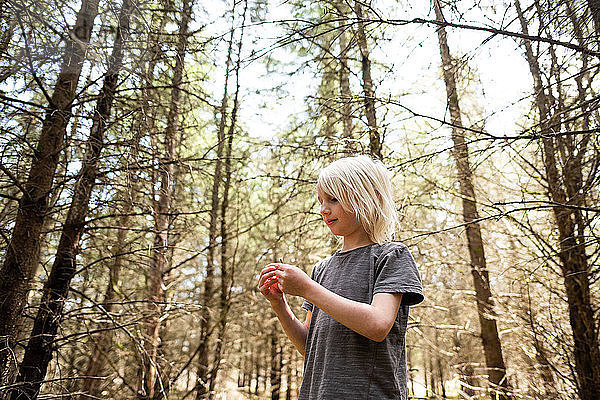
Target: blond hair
column 363, row 186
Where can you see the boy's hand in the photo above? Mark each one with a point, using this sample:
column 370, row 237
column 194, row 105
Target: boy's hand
column 292, row 280
column 268, row 284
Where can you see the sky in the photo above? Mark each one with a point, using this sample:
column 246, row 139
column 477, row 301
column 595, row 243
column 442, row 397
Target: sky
column 410, row 74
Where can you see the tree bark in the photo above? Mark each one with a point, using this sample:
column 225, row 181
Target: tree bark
column 91, row 385
column 595, row 11
column 226, row 272
column 440, row 367
column 148, row 125
column 257, row 363
column 485, row 303
column 203, row 378
column 38, row 352
column 544, row 368
column 275, row 367
column 152, row 384
column 428, row 381
column 572, row 255
column 22, row 253
column 7, row 17
column 464, row 367
column 287, row 367
column 368, row 90
column 344, row 77
column 410, row 367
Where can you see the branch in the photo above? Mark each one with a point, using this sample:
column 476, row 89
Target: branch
column 443, row 24
column 14, row 179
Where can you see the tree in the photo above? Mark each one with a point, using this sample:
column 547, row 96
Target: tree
column 22, row 254
column 375, row 142
column 595, row 10
column 97, row 361
column 226, row 261
column 294, row 92
column 481, row 281
column 344, row 77
column 203, row 377
column 565, row 188
column 152, row 384
column 38, row 352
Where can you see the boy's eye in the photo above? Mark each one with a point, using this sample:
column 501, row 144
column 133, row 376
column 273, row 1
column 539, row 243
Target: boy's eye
column 333, row 200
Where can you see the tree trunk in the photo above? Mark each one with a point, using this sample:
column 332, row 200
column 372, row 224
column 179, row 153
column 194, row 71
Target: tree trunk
column 427, row 367
column 344, row 76
column 467, row 373
column 97, row 361
column 253, row 370
column 485, row 304
column 440, row 370
column 572, row 255
column 541, row 363
column 439, row 366
column 544, row 369
column 368, row 90
column 6, row 16
column 227, row 273
column 595, row 11
column 288, row 373
column 148, row 125
column 203, row 384
column 257, row 368
column 91, row 384
column 153, row 385
column 22, row 253
column 410, row 370
column 465, row 369
column 38, row 352
column 275, row 373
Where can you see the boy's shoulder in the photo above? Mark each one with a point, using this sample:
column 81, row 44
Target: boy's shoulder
column 321, row 264
column 389, row 247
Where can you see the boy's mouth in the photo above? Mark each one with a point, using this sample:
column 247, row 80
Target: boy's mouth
column 330, row 221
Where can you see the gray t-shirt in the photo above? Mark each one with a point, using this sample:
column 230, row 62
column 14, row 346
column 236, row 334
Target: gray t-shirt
column 342, row 364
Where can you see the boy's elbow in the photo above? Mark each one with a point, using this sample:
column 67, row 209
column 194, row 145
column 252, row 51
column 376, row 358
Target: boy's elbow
column 380, row 332
column 379, row 337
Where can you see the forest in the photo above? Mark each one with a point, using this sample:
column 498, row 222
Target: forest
column 157, row 154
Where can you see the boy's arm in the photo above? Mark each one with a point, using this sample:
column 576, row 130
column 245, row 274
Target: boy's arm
column 373, row 321
column 294, row 329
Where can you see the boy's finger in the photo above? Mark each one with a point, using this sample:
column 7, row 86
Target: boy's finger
column 264, row 288
column 263, row 279
column 268, row 275
column 268, row 268
column 267, row 283
column 263, row 273
column 266, row 280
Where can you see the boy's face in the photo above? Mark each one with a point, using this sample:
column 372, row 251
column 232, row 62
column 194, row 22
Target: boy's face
column 339, row 221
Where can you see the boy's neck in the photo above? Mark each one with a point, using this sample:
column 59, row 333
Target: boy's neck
column 352, row 242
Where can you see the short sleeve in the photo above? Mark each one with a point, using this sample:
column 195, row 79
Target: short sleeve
column 307, row 305
column 396, row 272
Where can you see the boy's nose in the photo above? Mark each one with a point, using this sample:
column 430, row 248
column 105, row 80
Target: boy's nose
column 324, row 210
